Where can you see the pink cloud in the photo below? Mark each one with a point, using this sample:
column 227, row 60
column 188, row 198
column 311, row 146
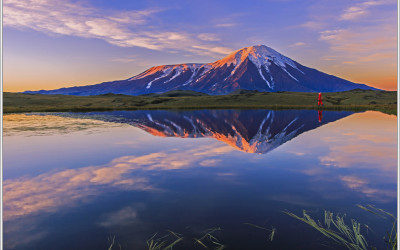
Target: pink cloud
column 120, row 28
column 360, row 10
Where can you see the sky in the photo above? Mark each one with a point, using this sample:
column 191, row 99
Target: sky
column 49, row 44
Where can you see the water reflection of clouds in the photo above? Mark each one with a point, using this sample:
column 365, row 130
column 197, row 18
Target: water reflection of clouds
column 39, row 125
column 360, row 144
column 124, row 216
column 210, row 162
column 364, row 186
column 367, row 156
column 361, row 152
column 27, row 232
column 50, row 191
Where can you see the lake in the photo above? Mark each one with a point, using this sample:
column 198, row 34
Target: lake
column 128, row 178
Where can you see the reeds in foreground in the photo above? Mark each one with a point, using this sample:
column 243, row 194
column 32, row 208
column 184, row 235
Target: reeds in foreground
column 334, row 227
column 208, row 236
column 341, row 233
column 390, row 238
column 168, row 241
column 159, row 243
column 350, row 236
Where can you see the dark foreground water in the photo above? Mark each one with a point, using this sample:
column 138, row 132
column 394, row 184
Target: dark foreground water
column 80, row 180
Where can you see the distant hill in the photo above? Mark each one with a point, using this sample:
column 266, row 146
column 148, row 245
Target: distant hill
column 256, row 68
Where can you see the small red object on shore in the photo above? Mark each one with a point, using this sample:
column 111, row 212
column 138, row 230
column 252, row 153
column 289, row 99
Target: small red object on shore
column 320, row 100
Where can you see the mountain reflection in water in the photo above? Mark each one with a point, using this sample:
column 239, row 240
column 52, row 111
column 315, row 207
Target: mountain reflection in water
column 102, row 174
column 251, row 131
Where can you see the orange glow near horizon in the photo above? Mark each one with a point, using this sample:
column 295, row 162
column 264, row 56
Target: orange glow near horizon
column 48, row 75
column 388, row 82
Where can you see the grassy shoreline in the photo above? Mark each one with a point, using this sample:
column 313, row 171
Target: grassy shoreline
column 355, row 100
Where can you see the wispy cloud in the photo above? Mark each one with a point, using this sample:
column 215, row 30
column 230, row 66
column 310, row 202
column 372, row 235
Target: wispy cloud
column 207, row 49
column 208, row 37
column 372, row 58
column 120, row 28
column 355, row 35
column 332, row 35
column 360, row 10
column 298, row 44
column 225, row 25
column 124, row 60
column 367, row 44
column 230, row 20
column 314, row 25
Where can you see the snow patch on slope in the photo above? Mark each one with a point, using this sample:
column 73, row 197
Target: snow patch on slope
column 165, row 68
column 165, row 73
column 262, row 76
column 195, row 70
column 289, row 74
column 177, row 73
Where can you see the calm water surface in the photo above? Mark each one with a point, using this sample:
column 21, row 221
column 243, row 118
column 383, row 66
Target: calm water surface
column 77, row 180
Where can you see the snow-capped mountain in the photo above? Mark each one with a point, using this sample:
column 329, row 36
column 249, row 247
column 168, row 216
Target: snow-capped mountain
column 252, row 68
column 250, row 131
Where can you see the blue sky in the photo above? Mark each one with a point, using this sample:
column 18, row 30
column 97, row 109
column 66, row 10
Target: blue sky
column 53, row 43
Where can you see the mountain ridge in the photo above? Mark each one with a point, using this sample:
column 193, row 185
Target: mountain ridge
column 249, row 131
column 257, row 67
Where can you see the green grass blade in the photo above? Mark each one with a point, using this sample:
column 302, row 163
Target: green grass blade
column 256, row 226
column 173, row 244
column 177, row 235
column 200, row 243
column 273, row 232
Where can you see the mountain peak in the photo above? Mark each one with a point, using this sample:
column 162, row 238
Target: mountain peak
column 258, row 48
column 260, row 55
